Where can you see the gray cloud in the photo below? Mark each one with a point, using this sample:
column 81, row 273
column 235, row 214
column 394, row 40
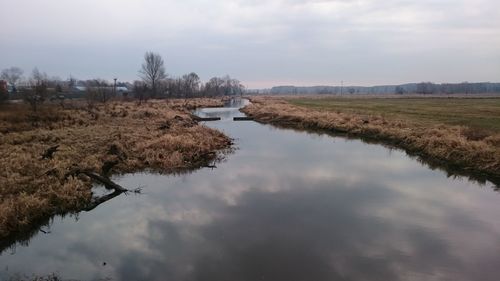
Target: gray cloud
column 261, row 42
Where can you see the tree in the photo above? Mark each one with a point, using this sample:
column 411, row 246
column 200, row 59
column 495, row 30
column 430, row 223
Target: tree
column 213, row 87
column 190, row 84
column 465, row 87
column 140, row 90
column 425, row 88
column 98, row 90
column 38, row 89
column 12, row 74
column 71, row 83
column 4, row 94
column 400, row 90
column 225, row 86
column 152, row 70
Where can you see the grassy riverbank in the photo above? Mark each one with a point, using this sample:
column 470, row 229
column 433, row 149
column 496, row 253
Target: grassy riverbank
column 476, row 113
column 112, row 138
column 459, row 133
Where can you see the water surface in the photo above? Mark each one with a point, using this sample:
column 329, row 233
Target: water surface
column 286, row 205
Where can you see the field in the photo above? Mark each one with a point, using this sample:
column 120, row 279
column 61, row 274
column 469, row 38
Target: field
column 478, row 113
column 453, row 133
column 43, row 153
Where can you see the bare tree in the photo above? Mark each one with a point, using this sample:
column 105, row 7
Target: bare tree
column 140, row 91
column 71, row 83
column 12, row 74
column 98, row 90
column 190, row 84
column 213, row 87
column 38, row 89
column 223, row 86
column 152, row 70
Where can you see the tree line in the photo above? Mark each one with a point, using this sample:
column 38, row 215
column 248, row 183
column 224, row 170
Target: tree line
column 425, row 88
column 153, row 82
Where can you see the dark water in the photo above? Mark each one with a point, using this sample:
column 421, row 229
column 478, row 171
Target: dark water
column 286, row 205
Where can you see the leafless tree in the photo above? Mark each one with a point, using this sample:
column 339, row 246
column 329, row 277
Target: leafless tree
column 190, row 84
column 141, row 91
column 152, row 70
column 12, row 74
column 71, row 83
column 37, row 93
column 213, row 86
column 98, row 90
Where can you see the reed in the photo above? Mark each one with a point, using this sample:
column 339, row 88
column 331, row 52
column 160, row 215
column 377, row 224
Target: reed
column 157, row 135
column 468, row 148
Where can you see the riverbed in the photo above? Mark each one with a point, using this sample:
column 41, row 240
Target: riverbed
column 284, row 205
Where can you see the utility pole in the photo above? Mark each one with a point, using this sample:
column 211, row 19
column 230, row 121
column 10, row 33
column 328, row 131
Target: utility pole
column 114, row 87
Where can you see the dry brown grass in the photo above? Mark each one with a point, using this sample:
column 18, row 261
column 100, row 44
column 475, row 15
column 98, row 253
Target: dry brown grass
column 469, row 149
column 158, row 135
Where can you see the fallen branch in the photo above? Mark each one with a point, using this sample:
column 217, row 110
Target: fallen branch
column 99, row 200
column 207, row 118
column 244, row 118
column 109, row 184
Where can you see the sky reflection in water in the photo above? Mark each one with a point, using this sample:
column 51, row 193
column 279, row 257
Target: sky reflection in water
column 284, row 206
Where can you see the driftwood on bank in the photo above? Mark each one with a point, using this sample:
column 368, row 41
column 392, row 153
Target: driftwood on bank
column 109, row 184
column 243, row 118
column 197, row 118
column 99, row 200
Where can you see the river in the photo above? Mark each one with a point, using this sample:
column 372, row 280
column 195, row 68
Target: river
column 284, row 205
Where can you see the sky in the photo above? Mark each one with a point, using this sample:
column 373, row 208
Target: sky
column 262, row 43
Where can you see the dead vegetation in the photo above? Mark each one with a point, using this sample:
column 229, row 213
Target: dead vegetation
column 43, row 154
column 468, row 148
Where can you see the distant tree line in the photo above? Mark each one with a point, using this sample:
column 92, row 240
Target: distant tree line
column 424, row 88
column 40, row 87
column 459, row 88
column 154, row 83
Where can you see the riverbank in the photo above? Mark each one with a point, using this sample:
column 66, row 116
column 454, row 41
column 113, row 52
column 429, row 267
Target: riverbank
column 464, row 146
column 42, row 152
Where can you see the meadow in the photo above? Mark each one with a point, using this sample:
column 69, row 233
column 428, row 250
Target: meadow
column 475, row 113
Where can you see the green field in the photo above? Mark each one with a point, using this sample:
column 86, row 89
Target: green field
column 478, row 113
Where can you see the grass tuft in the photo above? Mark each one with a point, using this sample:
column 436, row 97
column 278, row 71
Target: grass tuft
column 470, row 146
column 126, row 137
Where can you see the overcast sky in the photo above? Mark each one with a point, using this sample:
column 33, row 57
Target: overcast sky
column 262, row 43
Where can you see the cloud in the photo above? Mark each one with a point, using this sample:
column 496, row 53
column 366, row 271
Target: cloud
column 260, row 42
